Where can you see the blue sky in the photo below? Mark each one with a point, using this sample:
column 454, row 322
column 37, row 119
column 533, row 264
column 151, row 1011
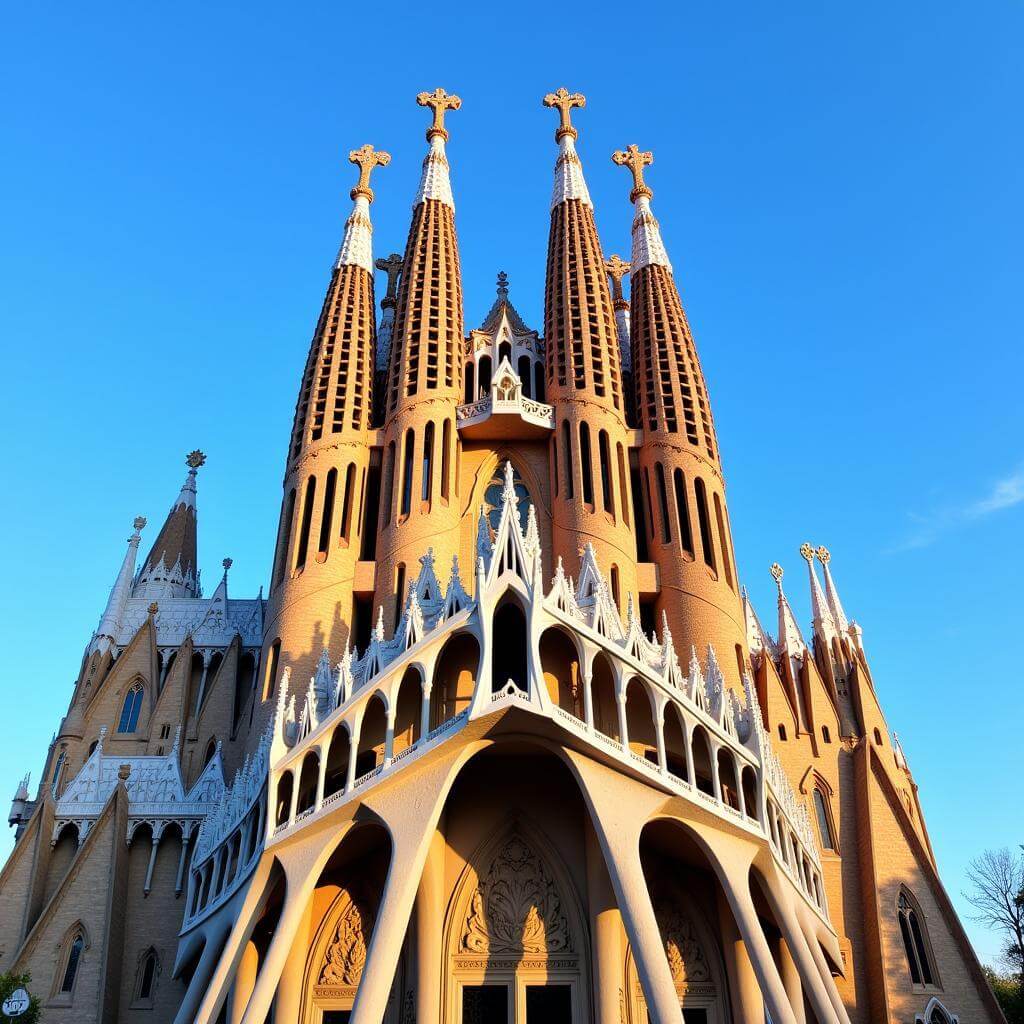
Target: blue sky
column 839, row 190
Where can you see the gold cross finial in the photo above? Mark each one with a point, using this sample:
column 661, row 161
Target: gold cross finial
column 617, row 269
column 195, row 459
column 439, row 102
column 367, row 158
column 777, row 573
column 564, row 101
column 392, row 266
column 823, row 556
column 807, row 552
column 636, row 162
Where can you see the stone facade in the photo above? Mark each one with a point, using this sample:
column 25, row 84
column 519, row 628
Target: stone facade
column 506, row 741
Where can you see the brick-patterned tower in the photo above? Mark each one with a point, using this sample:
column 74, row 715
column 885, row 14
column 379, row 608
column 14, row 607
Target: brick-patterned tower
column 590, row 474
column 311, row 595
column 419, row 506
column 681, row 473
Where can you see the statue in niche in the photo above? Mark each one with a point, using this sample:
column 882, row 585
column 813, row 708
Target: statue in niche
column 516, row 908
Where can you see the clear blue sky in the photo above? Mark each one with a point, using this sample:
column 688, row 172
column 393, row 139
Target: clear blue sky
column 840, row 191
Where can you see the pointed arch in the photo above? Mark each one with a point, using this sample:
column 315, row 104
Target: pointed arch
column 916, row 941
column 560, row 664
column 131, row 708
column 73, row 948
column 147, row 975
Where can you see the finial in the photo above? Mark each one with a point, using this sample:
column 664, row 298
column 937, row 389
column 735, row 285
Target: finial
column 392, row 266
column 153, row 608
column 777, row 573
column 139, row 523
column 617, row 269
column 823, row 555
column 636, row 162
column 195, row 459
column 439, row 102
column 502, row 285
column 367, row 158
column 227, row 563
column 807, row 552
column 565, row 101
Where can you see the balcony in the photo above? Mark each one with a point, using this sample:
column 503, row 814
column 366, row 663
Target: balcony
column 505, row 413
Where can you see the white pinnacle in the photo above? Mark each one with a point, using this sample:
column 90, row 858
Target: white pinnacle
column 435, row 182
column 569, row 180
column 648, row 248
column 357, row 245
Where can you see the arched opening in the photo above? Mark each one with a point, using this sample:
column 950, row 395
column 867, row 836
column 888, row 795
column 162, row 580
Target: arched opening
column 749, row 779
column 659, row 479
column 145, row 984
column 485, row 376
column 470, row 393
column 427, row 468
column 195, row 680
column 372, row 736
column 675, row 743
column 211, row 750
column 707, row 545
column 538, row 381
column 284, row 798
column 324, row 543
column 273, row 661
column 702, row 767
column 603, row 700
column 623, row 483
column 388, row 478
column 505, row 350
column 130, row 709
column 683, row 512
column 640, row 726
column 524, row 375
column 407, row 711
column 824, row 818
column 455, row 677
column 560, row 665
column 284, row 532
column 570, row 483
column 728, row 781
column 345, row 525
column 723, row 542
column 915, row 945
column 63, row 854
column 302, row 547
column 245, row 677
column 407, row 458
column 309, row 777
column 605, row 458
column 586, row 464
column 72, row 959
column 509, row 647
column 446, row 444
column 337, row 762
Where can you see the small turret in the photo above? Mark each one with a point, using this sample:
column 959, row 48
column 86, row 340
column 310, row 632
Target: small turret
column 824, row 624
column 844, row 626
column 791, row 640
column 113, row 615
column 21, row 808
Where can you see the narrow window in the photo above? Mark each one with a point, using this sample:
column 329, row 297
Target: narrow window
column 346, row 502
column 914, row 945
column 878, row 737
column 683, row 512
column 389, row 482
column 485, row 376
column 615, row 585
column 605, row 456
column 538, row 381
column 470, row 382
column 659, row 477
column 623, row 487
column 639, row 524
column 399, row 591
column 74, row 957
column 446, row 443
column 270, row 680
column 825, row 734
column 782, row 732
column 828, row 841
column 284, row 535
column 586, row 467
column 704, row 521
column 362, row 622
column 307, row 518
column 427, row 468
column 722, row 543
column 567, row 459
column 130, row 709
column 371, row 503
column 524, row 374
column 407, row 456
column 330, row 486
column 148, row 976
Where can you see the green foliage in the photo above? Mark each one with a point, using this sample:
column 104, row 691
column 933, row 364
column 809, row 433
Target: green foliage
column 1009, row 991
column 10, row 983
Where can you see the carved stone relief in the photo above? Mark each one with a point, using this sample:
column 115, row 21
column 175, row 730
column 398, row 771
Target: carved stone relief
column 346, row 953
column 685, row 955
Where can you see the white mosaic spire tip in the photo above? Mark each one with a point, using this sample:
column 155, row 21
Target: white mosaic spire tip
column 648, row 248
column 435, row 182
column 569, row 180
column 357, row 245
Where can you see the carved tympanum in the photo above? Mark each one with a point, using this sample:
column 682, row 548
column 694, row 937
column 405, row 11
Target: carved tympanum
column 346, row 953
column 686, row 957
column 516, row 909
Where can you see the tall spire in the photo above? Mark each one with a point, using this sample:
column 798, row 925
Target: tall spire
column 569, row 180
column 170, row 568
column 113, row 614
column 357, row 244
column 435, row 182
column 617, row 269
column 791, row 641
column 824, row 625
column 648, row 247
column 832, row 595
column 392, row 266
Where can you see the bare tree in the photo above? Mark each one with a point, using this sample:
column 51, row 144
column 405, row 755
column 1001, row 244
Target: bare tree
column 997, row 877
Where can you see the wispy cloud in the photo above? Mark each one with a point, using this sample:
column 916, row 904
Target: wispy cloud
column 927, row 527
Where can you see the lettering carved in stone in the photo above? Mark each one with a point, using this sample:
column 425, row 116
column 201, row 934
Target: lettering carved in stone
column 686, row 958
column 346, row 954
column 516, row 908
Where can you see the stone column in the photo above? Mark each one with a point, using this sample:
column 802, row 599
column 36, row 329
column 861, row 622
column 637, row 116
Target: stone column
column 747, row 1004
column 245, row 978
column 429, row 912
column 604, row 927
column 182, row 861
column 148, row 884
column 791, row 982
column 288, row 1000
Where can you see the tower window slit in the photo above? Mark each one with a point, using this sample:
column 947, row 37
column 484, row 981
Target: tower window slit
column 284, row 535
column 659, row 477
column 639, row 525
column 604, row 454
column 723, row 543
column 399, row 591
column 407, row 457
column 586, row 466
column 388, row 477
column 683, row 512
column 427, row 467
column 567, row 459
column 446, row 443
column 330, row 486
column 371, row 500
column 623, row 488
column 346, row 502
column 704, row 521
column 302, row 548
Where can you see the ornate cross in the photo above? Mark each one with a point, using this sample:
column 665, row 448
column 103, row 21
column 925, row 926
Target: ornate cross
column 617, row 269
column 777, row 573
column 392, row 266
column 636, row 162
column 367, row 158
column 823, row 556
column 564, row 101
column 807, row 552
column 439, row 102
column 502, row 284
column 195, row 459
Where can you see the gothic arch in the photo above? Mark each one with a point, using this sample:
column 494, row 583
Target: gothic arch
column 936, row 1013
column 545, row 939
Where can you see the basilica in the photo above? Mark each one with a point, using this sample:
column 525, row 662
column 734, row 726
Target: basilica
column 504, row 741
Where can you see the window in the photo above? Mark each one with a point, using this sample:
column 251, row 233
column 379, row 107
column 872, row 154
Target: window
column 623, row 484
column 75, row 950
column 782, row 732
column 878, row 737
column 567, row 458
column 272, row 663
column 683, row 512
column 586, row 466
column 913, row 933
column 130, row 709
column 605, row 456
column 330, row 486
column 722, row 543
column 211, row 749
column 825, row 734
column 446, row 443
column 346, row 502
column 149, row 967
column 389, row 482
column 302, row 548
column 407, row 454
column 284, row 534
column 706, row 543
column 659, row 476
column 399, row 591
column 821, row 811
column 427, row 481
column 493, row 500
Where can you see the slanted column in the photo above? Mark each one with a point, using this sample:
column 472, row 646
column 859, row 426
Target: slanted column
column 425, row 712
column 429, row 913
column 748, row 1006
column 288, row 998
column 791, row 982
column 659, row 734
column 688, row 745
column 604, row 926
column 148, row 884
column 321, row 775
column 353, row 750
column 716, row 782
column 588, row 697
column 241, row 989
column 208, row 959
column 202, row 682
column 389, row 737
column 182, row 861
column 620, row 701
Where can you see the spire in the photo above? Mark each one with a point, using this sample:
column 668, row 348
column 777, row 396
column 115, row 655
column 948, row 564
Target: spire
column 356, row 246
column 758, row 640
column 113, row 614
column 569, row 181
column 392, row 266
column 832, row 595
column 648, row 248
column 170, row 568
column 617, row 269
column 791, row 642
column 434, row 181
column 824, row 625
column 503, row 307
